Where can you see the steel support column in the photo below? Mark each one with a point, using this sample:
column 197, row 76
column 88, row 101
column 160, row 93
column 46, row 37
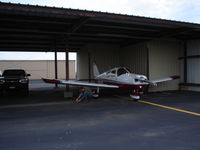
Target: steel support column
column 185, row 61
column 56, row 68
column 67, row 68
column 147, row 69
column 89, row 69
column 147, row 63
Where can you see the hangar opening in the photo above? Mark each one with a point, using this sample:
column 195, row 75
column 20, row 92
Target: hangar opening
column 39, row 64
column 154, row 47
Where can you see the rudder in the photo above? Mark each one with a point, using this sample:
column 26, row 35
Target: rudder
column 95, row 70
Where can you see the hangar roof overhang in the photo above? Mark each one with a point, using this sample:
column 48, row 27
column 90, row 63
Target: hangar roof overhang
column 41, row 28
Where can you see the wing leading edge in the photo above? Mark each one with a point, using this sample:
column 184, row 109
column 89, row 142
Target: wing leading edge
column 79, row 83
column 154, row 82
column 166, row 79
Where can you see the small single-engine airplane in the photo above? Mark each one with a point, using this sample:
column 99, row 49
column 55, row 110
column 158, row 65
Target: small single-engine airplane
column 119, row 77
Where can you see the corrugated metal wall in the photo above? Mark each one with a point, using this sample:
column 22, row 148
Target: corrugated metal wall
column 193, row 65
column 82, row 64
column 106, row 56
column 163, row 62
column 134, row 57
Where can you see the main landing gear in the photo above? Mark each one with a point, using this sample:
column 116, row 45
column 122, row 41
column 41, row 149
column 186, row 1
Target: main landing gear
column 95, row 93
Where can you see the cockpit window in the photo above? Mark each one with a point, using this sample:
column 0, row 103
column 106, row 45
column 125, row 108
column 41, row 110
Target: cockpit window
column 121, row 71
column 113, row 72
column 128, row 70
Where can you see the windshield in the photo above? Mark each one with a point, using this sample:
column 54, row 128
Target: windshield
column 121, row 71
column 14, row 73
column 128, row 70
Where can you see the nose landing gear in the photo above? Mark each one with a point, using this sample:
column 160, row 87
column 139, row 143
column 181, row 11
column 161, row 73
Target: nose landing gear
column 136, row 93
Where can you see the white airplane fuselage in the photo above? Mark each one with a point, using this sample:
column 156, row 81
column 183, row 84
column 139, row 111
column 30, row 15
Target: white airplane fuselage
column 128, row 79
column 125, row 80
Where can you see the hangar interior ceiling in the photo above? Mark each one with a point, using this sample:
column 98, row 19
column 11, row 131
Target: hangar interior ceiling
column 37, row 28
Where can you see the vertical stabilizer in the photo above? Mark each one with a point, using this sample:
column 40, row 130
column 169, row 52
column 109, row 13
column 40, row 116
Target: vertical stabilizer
column 95, row 70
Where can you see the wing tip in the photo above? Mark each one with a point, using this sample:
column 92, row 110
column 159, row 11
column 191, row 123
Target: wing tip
column 175, row 77
column 50, row 80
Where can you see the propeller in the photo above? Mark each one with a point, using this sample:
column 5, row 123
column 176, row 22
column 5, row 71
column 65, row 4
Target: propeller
column 142, row 79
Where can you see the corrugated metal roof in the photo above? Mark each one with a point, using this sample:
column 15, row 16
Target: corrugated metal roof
column 88, row 13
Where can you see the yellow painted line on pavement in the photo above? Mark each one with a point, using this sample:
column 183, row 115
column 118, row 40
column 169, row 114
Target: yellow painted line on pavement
column 163, row 106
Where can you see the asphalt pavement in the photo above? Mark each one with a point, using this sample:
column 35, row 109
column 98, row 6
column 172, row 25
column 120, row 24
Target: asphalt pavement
column 46, row 120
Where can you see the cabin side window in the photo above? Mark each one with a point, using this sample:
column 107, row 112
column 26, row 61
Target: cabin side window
column 113, row 72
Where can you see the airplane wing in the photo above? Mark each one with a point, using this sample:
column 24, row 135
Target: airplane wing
column 78, row 83
column 165, row 79
column 154, row 82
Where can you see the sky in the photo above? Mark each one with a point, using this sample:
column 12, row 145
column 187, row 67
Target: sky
column 35, row 56
column 180, row 10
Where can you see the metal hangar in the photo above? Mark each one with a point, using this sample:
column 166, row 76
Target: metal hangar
column 154, row 47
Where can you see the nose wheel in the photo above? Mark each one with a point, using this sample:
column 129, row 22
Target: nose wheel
column 136, row 94
column 136, row 97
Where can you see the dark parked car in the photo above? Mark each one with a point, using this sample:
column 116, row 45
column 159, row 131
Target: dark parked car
column 15, row 79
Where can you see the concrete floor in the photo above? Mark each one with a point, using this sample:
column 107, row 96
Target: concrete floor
column 46, row 120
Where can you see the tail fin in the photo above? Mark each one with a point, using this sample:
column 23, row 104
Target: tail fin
column 95, row 70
